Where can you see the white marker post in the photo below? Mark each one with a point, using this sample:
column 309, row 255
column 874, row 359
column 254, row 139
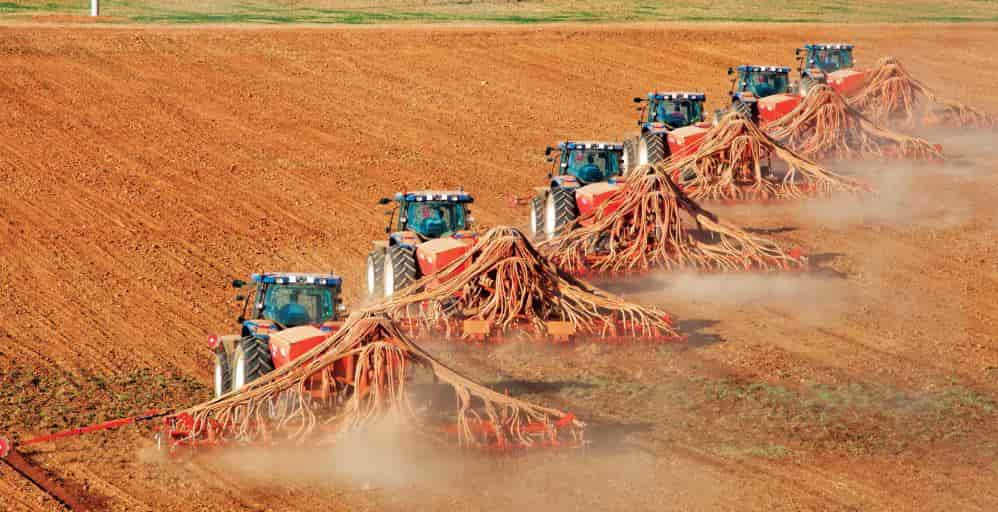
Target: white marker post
column 95, row 8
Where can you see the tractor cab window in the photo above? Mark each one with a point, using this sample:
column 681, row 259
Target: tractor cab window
column 591, row 165
column 675, row 113
column 831, row 60
column 765, row 83
column 298, row 304
column 434, row 219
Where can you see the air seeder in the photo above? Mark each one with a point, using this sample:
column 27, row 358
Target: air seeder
column 502, row 289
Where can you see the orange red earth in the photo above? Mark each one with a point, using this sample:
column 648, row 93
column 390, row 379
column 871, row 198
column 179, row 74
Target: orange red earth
column 143, row 168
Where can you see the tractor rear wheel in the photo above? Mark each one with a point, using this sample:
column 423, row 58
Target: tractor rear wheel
column 630, row 154
column 537, row 216
column 651, row 148
column 400, row 269
column 559, row 210
column 223, row 373
column 251, row 361
column 375, row 273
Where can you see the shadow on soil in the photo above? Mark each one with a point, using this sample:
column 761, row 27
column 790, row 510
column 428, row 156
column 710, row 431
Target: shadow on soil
column 819, row 265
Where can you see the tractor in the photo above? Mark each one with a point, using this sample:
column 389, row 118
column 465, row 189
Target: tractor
column 280, row 301
column 426, row 230
column 762, row 93
column 828, row 63
column 577, row 166
column 672, row 123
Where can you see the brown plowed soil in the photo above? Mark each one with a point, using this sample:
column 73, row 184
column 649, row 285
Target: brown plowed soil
column 143, row 168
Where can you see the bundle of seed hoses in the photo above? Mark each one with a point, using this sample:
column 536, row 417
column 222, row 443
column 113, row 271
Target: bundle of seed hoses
column 891, row 95
column 502, row 279
column 282, row 406
column 640, row 227
column 738, row 161
column 825, row 126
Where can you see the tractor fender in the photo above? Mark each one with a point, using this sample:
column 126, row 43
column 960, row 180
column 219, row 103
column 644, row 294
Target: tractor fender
column 259, row 327
column 566, row 181
column 655, row 128
column 404, row 239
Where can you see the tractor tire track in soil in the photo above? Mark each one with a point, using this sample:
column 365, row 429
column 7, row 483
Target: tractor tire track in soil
column 142, row 168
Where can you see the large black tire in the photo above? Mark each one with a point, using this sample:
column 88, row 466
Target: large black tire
column 223, row 372
column 251, row 361
column 559, row 210
column 652, row 149
column 400, row 269
column 537, row 215
column 630, row 154
column 375, row 273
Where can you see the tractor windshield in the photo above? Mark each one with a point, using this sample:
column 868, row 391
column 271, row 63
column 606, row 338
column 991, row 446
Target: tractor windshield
column 829, row 60
column 434, row 219
column 675, row 113
column 298, row 304
column 765, row 83
column 591, row 165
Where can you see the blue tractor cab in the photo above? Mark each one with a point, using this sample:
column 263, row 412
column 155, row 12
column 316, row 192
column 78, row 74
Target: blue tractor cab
column 826, row 57
column 432, row 214
column 585, row 162
column 760, row 81
column 672, row 109
column 285, row 299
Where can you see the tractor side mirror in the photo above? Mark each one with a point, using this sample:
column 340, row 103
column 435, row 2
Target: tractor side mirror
column 550, row 175
column 388, row 230
column 796, row 51
column 731, row 71
column 240, row 298
column 384, row 200
column 238, row 283
column 638, row 100
column 241, row 319
column 549, row 159
column 548, row 150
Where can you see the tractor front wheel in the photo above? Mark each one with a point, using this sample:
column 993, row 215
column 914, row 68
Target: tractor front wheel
column 375, row 273
column 559, row 210
column 651, row 148
column 251, row 361
column 400, row 269
column 537, row 216
column 223, row 373
column 630, row 154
